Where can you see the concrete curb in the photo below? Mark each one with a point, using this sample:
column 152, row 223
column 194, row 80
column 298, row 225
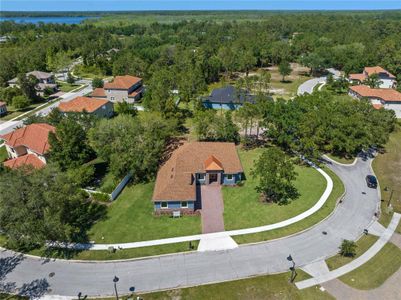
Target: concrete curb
column 340, row 164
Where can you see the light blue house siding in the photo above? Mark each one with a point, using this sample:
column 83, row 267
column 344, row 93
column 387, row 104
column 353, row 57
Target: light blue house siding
column 175, row 205
column 231, row 179
column 225, row 106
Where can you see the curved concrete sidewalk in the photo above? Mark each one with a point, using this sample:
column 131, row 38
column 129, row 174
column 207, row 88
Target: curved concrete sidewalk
column 372, row 251
column 222, row 234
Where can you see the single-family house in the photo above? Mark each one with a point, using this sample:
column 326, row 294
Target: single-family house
column 228, row 98
column 387, row 80
column 3, row 108
column 46, row 81
column 28, row 145
column 178, row 181
column 123, row 88
column 101, row 108
column 386, row 98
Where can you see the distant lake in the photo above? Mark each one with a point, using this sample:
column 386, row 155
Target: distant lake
column 36, row 20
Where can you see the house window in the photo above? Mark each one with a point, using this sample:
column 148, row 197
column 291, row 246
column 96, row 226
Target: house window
column 164, row 205
column 112, row 98
column 184, row 204
column 229, row 177
column 201, row 176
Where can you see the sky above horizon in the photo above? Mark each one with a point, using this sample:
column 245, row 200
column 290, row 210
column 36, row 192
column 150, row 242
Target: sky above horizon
column 140, row 5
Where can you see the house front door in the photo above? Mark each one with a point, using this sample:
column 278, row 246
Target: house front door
column 212, row 178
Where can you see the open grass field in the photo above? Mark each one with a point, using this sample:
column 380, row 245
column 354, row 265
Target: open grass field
column 328, row 207
column 261, row 287
column 387, row 168
column 363, row 244
column 130, row 218
column 3, row 154
column 376, row 271
column 13, row 112
column 243, row 208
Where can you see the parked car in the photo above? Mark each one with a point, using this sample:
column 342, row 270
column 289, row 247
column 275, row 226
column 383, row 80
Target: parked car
column 371, row 181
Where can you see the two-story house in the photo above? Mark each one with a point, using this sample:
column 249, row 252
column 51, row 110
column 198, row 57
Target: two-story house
column 178, row 181
column 45, row 81
column 28, row 145
column 101, row 108
column 123, row 88
column 387, row 80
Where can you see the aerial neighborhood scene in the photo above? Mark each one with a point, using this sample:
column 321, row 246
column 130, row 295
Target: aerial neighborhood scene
column 200, row 149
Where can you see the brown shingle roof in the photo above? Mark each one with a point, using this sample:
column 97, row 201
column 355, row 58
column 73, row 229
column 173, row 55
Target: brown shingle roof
column 80, row 104
column 383, row 94
column 34, row 137
column 174, row 177
column 122, row 82
column 25, row 160
column 98, row 92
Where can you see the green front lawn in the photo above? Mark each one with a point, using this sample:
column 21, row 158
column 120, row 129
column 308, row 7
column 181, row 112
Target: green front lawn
column 13, row 112
column 261, row 287
column 327, row 208
column 130, row 218
column 387, row 168
column 363, row 244
column 3, row 154
column 66, row 87
column 242, row 205
column 376, row 271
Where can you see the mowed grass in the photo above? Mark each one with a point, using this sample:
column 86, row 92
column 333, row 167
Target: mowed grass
column 3, row 154
column 377, row 270
column 242, row 205
column 66, row 87
column 118, row 254
column 327, row 208
column 387, row 168
column 262, row 287
column 130, row 218
column 363, row 244
column 13, row 112
column 341, row 159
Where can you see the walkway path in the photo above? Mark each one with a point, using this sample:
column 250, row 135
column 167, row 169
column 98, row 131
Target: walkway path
column 389, row 290
column 189, row 269
column 356, row 263
column 212, row 209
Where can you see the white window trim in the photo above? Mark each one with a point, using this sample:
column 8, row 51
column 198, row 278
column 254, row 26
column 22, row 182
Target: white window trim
column 232, row 176
column 161, row 205
column 186, row 206
column 199, row 176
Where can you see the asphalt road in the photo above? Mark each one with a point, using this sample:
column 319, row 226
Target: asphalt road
column 68, row 278
column 9, row 126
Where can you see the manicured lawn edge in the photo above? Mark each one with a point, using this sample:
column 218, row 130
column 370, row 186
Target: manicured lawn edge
column 376, row 271
column 301, row 226
column 363, row 244
column 341, row 160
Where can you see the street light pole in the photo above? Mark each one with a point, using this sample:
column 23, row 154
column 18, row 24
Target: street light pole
column 115, row 280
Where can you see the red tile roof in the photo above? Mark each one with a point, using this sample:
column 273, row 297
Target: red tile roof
column 376, row 70
column 98, row 92
column 383, row 94
column 80, row 104
column 377, row 106
column 34, row 137
column 25, row 160
column 175, row 178
column 122, row 82
column 135, row 93
column 360, row 77
column 213, row 164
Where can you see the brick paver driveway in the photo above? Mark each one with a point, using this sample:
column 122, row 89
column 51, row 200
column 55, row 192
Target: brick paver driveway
column 212, row 209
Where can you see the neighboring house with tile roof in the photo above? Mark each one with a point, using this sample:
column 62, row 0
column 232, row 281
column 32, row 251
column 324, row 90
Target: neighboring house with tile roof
column 101, row 108
column 387, row 79
column 123, row 88
column 178, row 181
column 387, row 98
column 228, row 97
column 3, row 109
column 24, row 143
column 46, row 80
